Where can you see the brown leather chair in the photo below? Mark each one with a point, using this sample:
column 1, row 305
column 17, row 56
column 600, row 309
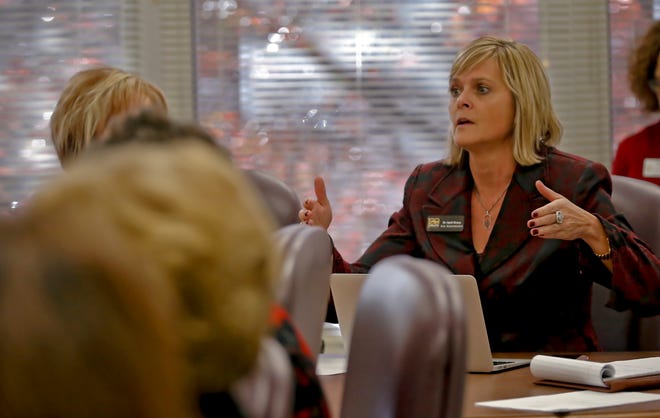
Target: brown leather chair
column 407, row 351
column 279, row 197
column 639, row 202
column 304, row 288
column 267, row 391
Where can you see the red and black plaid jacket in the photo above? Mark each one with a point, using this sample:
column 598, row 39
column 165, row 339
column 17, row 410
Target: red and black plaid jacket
column 309, row 401
column 535, row 292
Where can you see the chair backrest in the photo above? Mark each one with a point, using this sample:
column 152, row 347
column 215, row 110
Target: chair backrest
column 639, row 202
column 267, row 391
column 407, row 351
column 616, row 331
column 304, row 287
column 278, row 196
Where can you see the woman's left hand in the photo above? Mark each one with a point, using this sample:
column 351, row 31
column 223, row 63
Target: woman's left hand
column 562, row 219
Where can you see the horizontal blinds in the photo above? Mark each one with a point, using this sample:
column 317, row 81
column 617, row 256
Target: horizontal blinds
column 357, row 91
column 41, row 45
column 574, row 46
column 157, row 42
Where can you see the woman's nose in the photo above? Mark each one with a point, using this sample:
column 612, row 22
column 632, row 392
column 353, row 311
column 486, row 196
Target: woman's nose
column 463, row 101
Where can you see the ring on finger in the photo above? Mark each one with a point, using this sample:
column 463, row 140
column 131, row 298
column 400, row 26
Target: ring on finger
column 559, row 217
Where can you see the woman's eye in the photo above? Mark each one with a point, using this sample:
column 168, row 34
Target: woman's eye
column 454, row 91
column 483, row 89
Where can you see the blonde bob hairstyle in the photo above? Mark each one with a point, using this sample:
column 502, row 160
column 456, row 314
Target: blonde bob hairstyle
column 91, row 99
column 187, row 209
column 535, row 121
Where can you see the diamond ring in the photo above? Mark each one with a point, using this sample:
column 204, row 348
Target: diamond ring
column 559, row 217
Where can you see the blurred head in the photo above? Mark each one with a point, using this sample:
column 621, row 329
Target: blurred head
column 91, row 99
column 154, row 127
column 86, row 328
column 643, row 71
column 534, row 121
column 194, row 215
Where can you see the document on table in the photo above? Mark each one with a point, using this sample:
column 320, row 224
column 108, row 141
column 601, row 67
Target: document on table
column 613, row 376
column 328, row 364
column 571, row 401
column 333, row 358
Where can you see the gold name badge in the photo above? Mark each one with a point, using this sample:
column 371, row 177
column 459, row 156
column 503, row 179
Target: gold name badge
column 445, row 223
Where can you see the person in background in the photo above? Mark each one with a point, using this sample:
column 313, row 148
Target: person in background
column 535, row 225
column 638, row 155
column 86, row 328
column 91, row 99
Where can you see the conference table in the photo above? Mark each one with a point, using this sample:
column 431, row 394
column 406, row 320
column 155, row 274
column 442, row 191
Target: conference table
column 514, row 384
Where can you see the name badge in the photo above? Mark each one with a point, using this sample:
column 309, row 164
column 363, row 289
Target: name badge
column 651, row 168
column 446, row 223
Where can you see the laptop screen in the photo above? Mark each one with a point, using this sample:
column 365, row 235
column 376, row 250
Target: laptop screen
column 346, row 288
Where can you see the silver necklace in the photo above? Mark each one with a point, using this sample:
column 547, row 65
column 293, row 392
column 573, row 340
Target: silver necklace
column 487, row 217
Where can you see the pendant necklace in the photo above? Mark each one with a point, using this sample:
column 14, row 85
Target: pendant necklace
column 487, row 217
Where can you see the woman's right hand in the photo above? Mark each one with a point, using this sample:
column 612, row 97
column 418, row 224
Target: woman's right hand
column 317, row 212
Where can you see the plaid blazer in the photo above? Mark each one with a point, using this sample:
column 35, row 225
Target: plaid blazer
column 308, row 399
column 536, row 293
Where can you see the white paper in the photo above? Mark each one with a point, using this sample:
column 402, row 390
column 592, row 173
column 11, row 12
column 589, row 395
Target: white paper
column 636, row 367
column 591, row 372
column 328, row 364
column 570, row 370
column 571, row 401
column 332, row 341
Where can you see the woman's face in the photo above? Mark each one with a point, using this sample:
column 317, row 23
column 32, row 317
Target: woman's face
column 481, row 108
column 655, row 84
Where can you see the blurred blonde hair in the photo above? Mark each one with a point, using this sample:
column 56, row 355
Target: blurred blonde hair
column 189, row 210
column 535, row 121
column 85, row 326
column 91, row 99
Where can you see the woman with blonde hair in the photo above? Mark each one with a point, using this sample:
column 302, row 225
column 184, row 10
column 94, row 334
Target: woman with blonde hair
column 535, row 225
column 91, row 99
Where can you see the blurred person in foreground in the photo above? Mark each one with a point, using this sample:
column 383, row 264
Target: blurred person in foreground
column 535, row 225
column 147, row 127
column 189, row 205
column 86, row 328
column 169, row 203
column 91, row 99
column 638, row 155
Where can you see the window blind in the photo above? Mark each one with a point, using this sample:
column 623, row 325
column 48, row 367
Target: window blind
column 157, row 44
column 357, row 91
column 575, row 47
column 354, row 91
column 42, row 44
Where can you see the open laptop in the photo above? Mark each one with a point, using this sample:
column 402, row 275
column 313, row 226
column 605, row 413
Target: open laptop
column 346, row 288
